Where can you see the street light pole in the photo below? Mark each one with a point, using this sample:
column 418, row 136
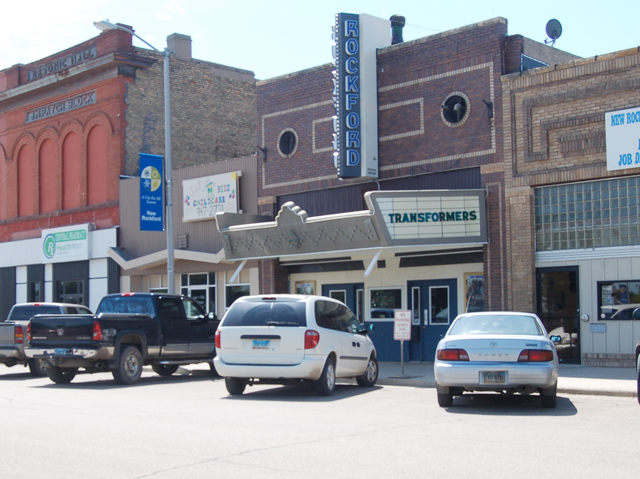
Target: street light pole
column 106, row 25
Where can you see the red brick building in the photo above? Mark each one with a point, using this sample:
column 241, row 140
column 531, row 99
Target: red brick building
column 71, row 124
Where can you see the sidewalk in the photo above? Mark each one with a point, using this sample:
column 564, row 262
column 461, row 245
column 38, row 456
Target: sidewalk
column 574, row 378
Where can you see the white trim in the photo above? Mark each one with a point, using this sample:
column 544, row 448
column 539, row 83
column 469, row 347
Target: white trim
column 160, row 257
column 591, row 253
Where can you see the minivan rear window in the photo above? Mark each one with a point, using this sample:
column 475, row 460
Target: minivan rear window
column 268, row 313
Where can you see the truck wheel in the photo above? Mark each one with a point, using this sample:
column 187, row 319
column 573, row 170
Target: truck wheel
column 327, row 382
column 36, row 368
column 235, row 386
column 164, row 369
column 61, row 375
column 129, row 367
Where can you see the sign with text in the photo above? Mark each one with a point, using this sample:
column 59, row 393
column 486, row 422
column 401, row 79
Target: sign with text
column 151, row 193
column 60, row 245
column 52, row 109
column 401, row 325
column 206, row 196
column 622, row 129
column 355, row 93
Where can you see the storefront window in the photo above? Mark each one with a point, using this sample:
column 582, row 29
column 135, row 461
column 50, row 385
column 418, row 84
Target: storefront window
column 588, row 215
column 618, row 300
column 235, row 291
column 384, row 301
column 202, row 288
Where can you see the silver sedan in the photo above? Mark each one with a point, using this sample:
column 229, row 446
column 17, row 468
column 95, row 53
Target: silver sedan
column 503, row 352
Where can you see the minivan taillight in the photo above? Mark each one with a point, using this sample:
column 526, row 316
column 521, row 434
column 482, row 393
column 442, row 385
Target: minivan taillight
column 311, row 339
column 452, row 355
column 218, row 339
column 18, row 334
column 97, row 331
column 535, row 356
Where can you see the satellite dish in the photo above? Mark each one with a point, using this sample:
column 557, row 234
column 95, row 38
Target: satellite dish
column 554, row 30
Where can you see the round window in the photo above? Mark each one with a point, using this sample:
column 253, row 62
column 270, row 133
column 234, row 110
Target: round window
column 288, row 143
column 455, row 109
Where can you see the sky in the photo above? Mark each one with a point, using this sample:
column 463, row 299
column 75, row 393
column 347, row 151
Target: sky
column 276, row 37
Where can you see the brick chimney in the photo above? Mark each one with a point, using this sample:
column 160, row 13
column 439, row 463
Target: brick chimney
column 180, row 45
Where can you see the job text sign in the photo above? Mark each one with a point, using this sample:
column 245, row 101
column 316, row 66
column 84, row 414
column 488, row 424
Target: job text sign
column 622, row 128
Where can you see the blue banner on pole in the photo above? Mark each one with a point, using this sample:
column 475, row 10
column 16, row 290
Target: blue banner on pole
column 151, row 193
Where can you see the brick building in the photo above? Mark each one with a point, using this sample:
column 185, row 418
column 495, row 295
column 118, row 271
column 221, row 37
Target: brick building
column 71, row 124
column 440, row 127
column 572, row 226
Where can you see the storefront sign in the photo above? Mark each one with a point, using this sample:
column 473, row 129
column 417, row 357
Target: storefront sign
column 62, row 63
column 622, row 130
column 78, row 101
column 204, row 197
column 355, row 93
column 151, row 193
column 70, row 243
column 436, row 217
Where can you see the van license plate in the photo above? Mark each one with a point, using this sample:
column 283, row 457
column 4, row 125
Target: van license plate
column 260, row 344
column 493, row 377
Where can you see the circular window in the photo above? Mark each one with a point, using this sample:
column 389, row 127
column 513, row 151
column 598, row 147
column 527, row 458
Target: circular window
column 455, row 109
column 288, row 143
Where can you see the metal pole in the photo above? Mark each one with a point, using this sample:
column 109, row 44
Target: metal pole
column 402, row 357
column 168, row 175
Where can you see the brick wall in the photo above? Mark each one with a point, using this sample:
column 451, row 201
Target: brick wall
column 212, row 113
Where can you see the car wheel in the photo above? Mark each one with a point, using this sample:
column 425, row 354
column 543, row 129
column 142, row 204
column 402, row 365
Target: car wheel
column 164, row 369
column 327, row 382
column 550, row 397
column 36, row 368
column 235, row 386
column 129, row 366
column 370, row 376
column 445, row 399
column 61, row 375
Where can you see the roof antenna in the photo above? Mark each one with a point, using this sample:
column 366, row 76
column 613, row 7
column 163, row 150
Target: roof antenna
column 554, row 30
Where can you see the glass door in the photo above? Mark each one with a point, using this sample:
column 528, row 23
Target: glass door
column 433, row 304
column 559, row 309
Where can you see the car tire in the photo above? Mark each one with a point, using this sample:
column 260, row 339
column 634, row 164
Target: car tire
column 549, row 397
column 235, row 386
column 129, row 366
column 61, row 375
column 327, row 382
column 445, row 399
column 36, row 368
column 370, row 376
column 164, row 369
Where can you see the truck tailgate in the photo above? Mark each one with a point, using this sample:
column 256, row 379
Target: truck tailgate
column 61, row 328
column 6, row 334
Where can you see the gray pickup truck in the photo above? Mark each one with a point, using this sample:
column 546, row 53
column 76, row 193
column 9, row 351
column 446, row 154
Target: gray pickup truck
column 13, row 331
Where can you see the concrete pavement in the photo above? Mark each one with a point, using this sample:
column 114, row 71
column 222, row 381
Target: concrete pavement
column 574, row 378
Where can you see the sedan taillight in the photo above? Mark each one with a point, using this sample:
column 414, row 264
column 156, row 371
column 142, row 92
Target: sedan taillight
column 311, row 339
column 452, row 355
column 97, row 331
column 535, row 356
column 218, row 339
column 18, row 334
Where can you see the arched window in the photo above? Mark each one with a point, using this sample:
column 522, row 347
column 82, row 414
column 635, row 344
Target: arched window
column 47, row 176
column 71, row 172
column 97, row 165
column 26, row 182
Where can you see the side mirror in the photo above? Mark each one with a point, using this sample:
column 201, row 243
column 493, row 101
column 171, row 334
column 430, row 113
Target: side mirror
column 636, row 313
column 211, row 316
column 370, row 328
column 555, row 339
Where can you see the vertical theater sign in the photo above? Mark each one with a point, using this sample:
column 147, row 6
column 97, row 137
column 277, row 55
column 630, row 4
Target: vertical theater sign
column 355, row 93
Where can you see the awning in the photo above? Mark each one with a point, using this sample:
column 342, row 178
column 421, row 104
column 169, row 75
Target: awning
column 125, row 261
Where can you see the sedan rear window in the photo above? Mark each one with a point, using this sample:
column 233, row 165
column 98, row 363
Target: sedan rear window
column 270, row 313
column 22, row 313
column 496, row 324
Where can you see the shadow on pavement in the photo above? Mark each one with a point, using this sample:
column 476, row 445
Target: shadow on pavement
column 306, row 393
column 503, row 405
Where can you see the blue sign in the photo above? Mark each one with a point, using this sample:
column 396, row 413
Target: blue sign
column 151, row 193
column 347, row 135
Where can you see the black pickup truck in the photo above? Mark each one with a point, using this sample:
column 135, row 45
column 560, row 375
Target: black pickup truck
column 129, row 330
